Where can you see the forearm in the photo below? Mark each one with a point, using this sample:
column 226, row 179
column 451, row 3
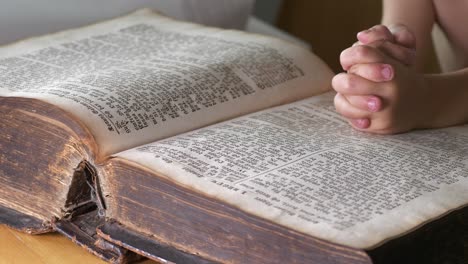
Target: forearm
column 449, row 97
column 418, row 16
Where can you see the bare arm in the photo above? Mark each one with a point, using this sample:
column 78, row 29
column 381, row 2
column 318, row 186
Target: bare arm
column 449, row 91
column 418, row 16
column 448, row 98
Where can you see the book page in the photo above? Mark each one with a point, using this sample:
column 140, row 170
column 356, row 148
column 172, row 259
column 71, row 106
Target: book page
column 145, row 77
column 301, row 165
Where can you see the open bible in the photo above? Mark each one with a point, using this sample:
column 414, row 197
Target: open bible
column 145, row 136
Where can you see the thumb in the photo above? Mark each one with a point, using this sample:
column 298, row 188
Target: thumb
column 403, row 35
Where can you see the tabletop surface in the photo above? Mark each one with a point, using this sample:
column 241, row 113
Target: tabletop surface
column 53, row 248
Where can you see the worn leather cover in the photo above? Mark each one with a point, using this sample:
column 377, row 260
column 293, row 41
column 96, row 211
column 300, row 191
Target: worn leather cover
column 146, row 246
column 22, row 222
column 82, row 231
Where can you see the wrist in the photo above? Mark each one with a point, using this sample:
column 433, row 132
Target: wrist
column 447, row 101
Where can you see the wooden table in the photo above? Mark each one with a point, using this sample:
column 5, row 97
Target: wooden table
column 19, row 248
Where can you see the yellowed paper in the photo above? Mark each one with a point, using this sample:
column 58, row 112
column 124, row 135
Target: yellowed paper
column 300, row 165
column 145, row 77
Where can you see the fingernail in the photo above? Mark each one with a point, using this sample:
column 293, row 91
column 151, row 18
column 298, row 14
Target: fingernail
column 395, row 28
column 387, row 72
column 373, row 105
column 361, row 123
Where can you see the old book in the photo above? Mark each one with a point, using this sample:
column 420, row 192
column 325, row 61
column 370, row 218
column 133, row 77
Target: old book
column 192, row 144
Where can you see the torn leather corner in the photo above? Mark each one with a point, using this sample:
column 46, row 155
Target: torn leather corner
column 82, row 231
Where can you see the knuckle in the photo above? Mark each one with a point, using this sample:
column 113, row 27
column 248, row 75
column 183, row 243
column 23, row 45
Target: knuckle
column 342, row 82
column 338, row 104
column 335, row 100
column 348, row 82
column 342, row 55
column 379, row 27
column 341, row 107
column 346, row 113
column 383, row 31
column 345, row 53
column 336, row 83
column 362, row 51
column 345, row 58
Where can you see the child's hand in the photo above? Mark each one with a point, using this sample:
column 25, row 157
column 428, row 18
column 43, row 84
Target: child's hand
column 404, row 42
column 381, row 93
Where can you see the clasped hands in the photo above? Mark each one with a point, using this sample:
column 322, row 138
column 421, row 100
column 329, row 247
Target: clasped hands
column 381, row 92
